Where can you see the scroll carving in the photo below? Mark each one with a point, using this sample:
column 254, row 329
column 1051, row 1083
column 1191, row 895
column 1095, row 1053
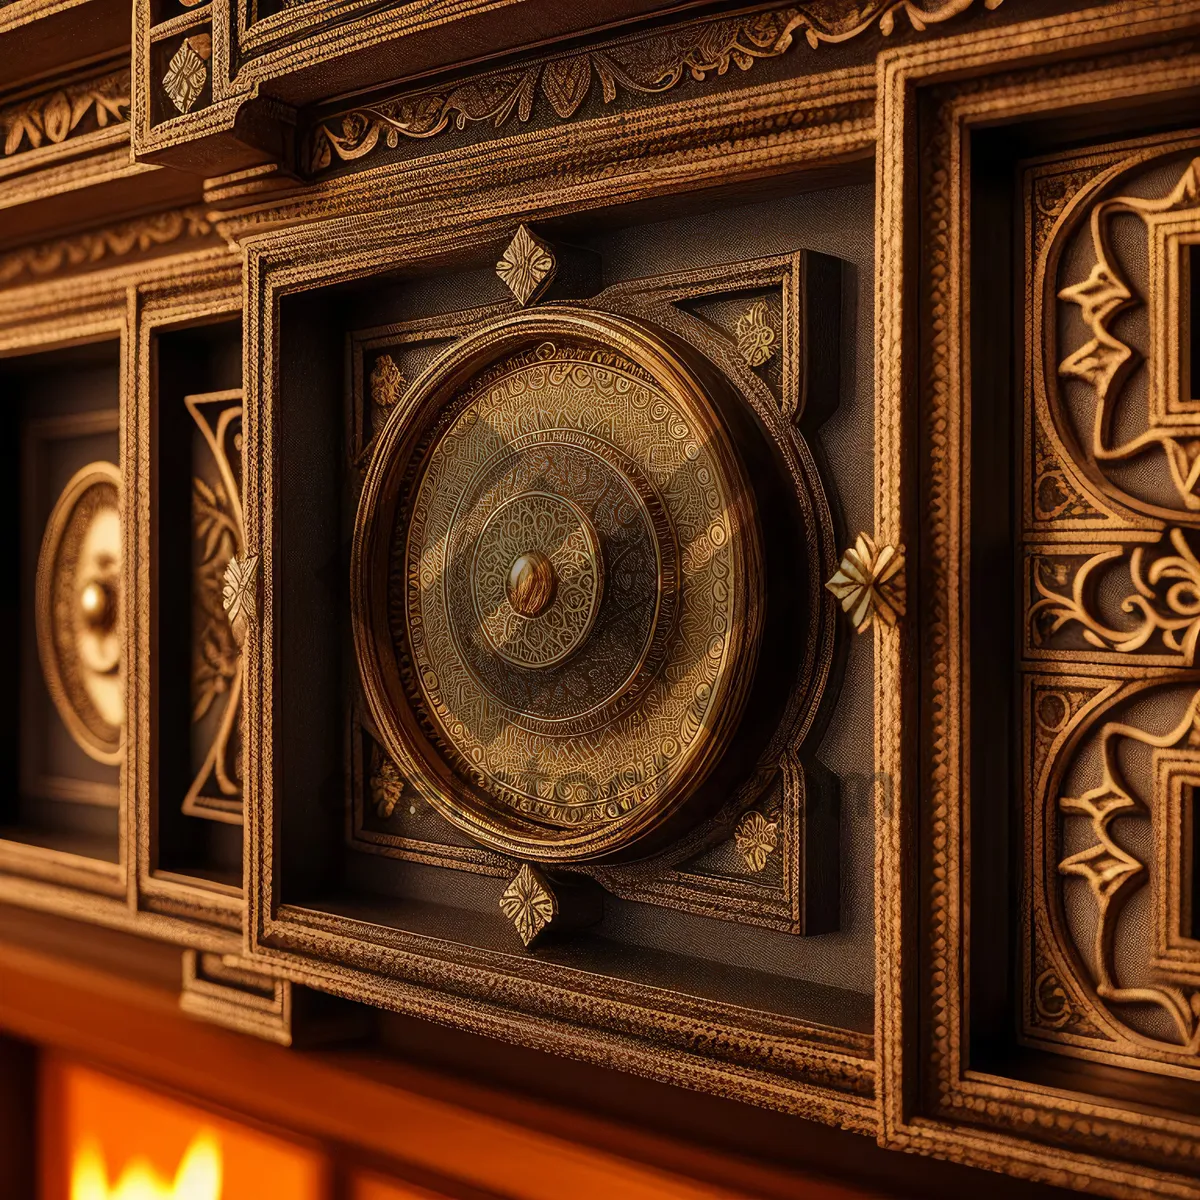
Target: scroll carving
column 698, row 52
column 1164, row 603
column 218, row 538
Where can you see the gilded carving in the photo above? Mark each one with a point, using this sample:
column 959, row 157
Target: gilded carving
column 1169, row 431
column 573, row 703
column 1113, row 872
column 387, row 786
column 387, row 382
column 756, row 340
column 1165, row 600
column 756, row 837
column 187, row 72
column 647, row 65
column 53, row 117
column 527, row 266
column 218, row 537
column 78, row 611
column 870, row 583
column 529, row 903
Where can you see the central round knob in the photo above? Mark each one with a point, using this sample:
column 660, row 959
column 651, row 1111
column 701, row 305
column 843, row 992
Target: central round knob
column 531, row 582
column 97, row 604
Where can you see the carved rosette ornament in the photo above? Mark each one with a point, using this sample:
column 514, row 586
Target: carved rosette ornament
column 529, row 903
column 557, row 586
column 78, row 611
column 870, row 583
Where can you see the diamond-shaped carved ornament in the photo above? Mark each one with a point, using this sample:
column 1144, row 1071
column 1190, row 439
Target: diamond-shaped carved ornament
column 527, row 266
column 529, row 903
column 187, row 72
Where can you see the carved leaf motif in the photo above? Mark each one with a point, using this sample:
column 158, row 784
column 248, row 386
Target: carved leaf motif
column 565, row 82
column 23, row 123
column 187, row 72
column 56, row 117
column 239, row 595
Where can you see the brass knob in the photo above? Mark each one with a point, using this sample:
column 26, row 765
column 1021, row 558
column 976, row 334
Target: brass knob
column 531, row 583
column 98, row 606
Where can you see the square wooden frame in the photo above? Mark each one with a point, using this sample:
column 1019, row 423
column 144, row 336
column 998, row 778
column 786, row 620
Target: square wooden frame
column 126, row 302
column 932, row 1099
column 822, row 1073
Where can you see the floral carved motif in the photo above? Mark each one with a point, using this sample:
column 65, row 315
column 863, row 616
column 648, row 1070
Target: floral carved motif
column 698, row 51
column 1105, row 363
column 1113, row 873
column 1165, row 600
column 54, row 117
column 870, row 583
column 527, row 265
column 756, row 837
column 387, row 786
column 756, row 340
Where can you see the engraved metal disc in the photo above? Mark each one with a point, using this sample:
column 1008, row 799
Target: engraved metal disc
column 557, row 585
column 78, row 610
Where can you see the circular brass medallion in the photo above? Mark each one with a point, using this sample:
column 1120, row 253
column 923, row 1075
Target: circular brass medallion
column 557, row 585
column 78, row 610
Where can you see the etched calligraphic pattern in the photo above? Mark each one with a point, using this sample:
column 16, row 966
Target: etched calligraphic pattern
column 602, row 732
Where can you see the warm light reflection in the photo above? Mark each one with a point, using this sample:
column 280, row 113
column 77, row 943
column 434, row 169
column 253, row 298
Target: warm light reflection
column 198, row 1176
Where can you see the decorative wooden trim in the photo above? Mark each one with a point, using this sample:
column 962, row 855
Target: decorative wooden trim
column 68, row 112
column 137, row 238
column 930, row 1100
column 828, row 1079
column 644, row 64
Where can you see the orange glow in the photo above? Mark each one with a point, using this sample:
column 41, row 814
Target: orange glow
column 198, row 1177
column 104, row 1139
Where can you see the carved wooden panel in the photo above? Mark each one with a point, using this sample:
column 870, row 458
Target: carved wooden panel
column 584, row 565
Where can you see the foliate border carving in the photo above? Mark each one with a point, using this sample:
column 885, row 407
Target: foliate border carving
column 53, row 117
column 649, row 65
column 98, row 247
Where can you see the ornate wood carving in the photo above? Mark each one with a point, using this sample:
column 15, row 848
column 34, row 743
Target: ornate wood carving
column 53, row 117
column 100, row 247
column 648, row 65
